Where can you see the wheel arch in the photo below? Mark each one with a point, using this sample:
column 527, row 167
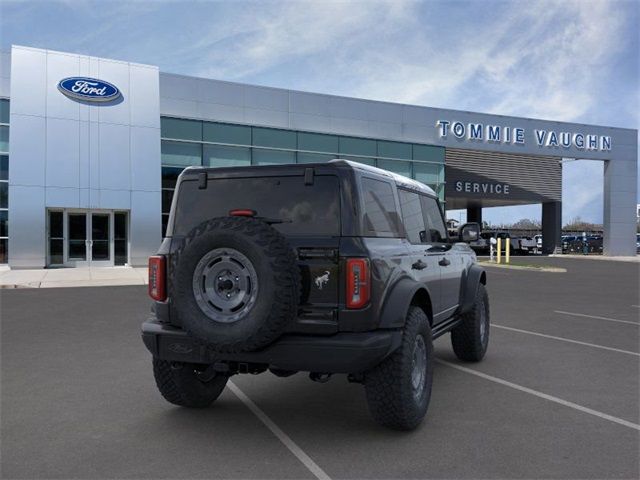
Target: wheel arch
column 475, row 276
column 404, row 294
column 422, row 299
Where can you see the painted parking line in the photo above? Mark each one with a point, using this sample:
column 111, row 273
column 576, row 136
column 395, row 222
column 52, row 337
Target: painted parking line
column 538, row 394
column 602, row 347
column 277, row 431
column 595, row 317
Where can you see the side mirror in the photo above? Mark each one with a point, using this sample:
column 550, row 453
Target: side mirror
column 469, row 232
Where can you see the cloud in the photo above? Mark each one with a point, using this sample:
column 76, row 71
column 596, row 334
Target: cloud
column 574, row 60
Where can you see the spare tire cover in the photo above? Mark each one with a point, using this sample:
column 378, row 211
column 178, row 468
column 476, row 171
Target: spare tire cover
column 235, row 283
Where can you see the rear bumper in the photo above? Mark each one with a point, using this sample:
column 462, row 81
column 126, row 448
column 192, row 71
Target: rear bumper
column 339, row 353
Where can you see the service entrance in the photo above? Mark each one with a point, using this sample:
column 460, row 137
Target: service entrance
column 83, row 238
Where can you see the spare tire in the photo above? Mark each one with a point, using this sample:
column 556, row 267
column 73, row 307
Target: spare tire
column 235, row 283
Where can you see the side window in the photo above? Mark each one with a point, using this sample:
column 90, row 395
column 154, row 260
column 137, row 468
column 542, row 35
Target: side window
column 436, row 231
column 380, row 214
column 412, row 216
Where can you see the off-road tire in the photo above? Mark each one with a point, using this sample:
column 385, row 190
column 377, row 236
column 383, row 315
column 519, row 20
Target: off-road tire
column 278, row 277
column 468, row 343
column 179, row 384
column 388, row 386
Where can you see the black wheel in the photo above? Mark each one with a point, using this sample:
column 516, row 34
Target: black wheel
column 235, row 283
column 180, row 384
column 470, row 339
column 399, row 389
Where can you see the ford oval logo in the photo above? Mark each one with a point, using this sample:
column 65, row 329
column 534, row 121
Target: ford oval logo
column 89, row 89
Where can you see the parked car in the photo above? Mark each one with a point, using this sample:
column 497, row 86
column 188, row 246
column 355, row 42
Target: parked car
column 568, row 243
column 324, row 268
column 527, row 245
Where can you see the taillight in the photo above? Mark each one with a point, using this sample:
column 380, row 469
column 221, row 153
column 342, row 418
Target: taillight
column 157, row 278
column 358, row 282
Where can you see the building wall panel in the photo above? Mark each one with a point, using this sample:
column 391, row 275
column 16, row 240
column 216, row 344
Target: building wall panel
column 77, row 154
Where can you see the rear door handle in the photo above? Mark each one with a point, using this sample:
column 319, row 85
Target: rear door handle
column 419, row 265
column 444, row 262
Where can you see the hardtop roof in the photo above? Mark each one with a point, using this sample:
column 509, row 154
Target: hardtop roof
column 399, row 180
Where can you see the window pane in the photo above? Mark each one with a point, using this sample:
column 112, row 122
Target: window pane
column 272, row 157
column 4, row 251
column 77, row 225
column 314, row 157
column 412, row 216
column 181, row 129
column 4, row 111
column 177, row 153
column 4, row 139
column 165, row 222
column 225, row 133
column 120, row 241
column 221, row 156
column 167, row 195
column 55, row 252
column 4, row 167
column 170, row 176
column 366, row 161
column 380, row 207
column 394, row 150
column 437, row 232
column 120, row 226
column 271, row 137
column 4, row 223
column 428, row 153
column 428, row 173
column 358, row 146
column 55, row 225
column 316, row 142
column 403, row 168
column 305, row 209
column 4, row 194
column 439, row 189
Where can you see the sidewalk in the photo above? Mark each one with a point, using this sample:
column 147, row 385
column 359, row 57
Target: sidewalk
column 73, row 277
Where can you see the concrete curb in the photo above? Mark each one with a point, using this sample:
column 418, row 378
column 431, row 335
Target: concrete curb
column 601, row 258
column 523, row 267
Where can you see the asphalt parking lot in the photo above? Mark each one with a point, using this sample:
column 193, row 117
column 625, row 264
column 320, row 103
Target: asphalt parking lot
column 556, row 397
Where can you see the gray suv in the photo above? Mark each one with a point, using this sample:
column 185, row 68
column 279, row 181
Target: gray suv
column 328, row 268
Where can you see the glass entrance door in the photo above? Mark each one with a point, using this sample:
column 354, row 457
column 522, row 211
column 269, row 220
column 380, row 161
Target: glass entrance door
column 100, row 243
column 77, row 239
column 87, row 238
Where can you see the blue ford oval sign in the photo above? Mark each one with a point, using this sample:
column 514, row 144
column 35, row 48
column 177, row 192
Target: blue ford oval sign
column 89, row 89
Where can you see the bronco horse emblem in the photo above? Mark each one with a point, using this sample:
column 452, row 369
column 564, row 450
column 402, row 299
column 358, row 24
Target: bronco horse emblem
column 322, row 280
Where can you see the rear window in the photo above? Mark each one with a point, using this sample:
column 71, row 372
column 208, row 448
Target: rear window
column 304, row 209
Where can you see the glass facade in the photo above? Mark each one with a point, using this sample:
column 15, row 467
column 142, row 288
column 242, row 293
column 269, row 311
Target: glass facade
column 4, row 181
column 194, row 142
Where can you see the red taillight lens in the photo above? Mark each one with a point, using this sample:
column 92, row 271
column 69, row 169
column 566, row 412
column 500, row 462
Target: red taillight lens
column 157, row 278
column 358, row 282
column 242, row 212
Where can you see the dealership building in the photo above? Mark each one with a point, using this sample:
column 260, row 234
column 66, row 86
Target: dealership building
column 90, row 150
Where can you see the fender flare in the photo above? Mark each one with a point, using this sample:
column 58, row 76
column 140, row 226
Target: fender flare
column 399, row 297
column 475, row 276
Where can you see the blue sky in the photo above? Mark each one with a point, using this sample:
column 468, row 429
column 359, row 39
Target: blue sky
column 564, row 60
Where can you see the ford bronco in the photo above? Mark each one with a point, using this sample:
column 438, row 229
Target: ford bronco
column 327, row 268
